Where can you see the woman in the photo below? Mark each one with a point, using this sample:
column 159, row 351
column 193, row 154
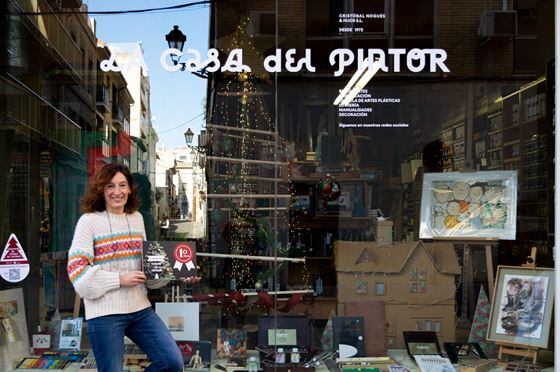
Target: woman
column 104, row 265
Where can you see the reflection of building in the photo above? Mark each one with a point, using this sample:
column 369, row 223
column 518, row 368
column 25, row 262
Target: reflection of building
column 130, row 57
column 110, row 141
column 47, row 110
column 181, row 188
column 165, row 198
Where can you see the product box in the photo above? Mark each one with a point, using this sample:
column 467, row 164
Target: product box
column 169, row 260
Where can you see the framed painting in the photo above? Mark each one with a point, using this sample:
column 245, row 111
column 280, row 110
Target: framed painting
column 522, row 306
column 181, row 318
column 473, row 205
column 15, row 342
column 231, row 344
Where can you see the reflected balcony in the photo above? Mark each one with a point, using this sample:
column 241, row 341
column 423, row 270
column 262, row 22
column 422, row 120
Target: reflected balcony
column 53, row 30
column 102, row 98
column 25, row 107
column 118, row 115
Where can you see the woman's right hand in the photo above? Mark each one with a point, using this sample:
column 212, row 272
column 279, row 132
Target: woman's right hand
column 131, row 278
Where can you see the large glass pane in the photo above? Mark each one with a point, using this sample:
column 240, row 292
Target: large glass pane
column 335, row 206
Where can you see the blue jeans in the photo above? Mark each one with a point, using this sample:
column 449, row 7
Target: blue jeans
column 145, row 328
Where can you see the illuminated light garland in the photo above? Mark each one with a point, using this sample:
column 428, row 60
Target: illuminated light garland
column 249, row 111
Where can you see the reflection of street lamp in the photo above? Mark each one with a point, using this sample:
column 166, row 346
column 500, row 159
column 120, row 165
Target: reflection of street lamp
column 199, row 150
column 176, row 40
column 189, row 136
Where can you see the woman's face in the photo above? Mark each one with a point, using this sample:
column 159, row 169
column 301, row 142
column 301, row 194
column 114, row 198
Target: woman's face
column 116, row 193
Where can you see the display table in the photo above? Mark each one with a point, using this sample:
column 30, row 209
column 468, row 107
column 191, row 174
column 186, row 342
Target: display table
column 399, row 355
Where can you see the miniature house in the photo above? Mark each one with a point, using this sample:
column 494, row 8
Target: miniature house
column 415, row 279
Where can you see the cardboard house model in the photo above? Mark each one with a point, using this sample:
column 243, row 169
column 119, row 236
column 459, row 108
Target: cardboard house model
column 415, row 279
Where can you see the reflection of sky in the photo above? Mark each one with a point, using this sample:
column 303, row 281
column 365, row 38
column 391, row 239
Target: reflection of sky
column 540, row 286
column 175, row 97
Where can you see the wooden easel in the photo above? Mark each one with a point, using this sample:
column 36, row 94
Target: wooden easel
column 523, row 351
column 467, row 268
column 519, row 351
column 175, row 296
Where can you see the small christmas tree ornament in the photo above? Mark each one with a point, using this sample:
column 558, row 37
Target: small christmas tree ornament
column 328, row 190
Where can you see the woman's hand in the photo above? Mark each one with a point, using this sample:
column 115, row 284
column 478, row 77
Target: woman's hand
column 131, row 278
column 192, row 279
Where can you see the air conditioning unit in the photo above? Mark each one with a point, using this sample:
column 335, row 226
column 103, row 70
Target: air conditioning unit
column 498, row 23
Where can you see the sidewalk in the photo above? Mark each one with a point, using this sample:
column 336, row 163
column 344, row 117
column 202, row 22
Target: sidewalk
column 182, row 229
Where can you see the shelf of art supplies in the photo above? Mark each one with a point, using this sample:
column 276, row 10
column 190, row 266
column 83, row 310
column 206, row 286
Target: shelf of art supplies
column 334, row 221
column 318, row 308
column 313, row 177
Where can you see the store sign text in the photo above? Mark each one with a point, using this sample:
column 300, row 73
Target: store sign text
column 415, row 60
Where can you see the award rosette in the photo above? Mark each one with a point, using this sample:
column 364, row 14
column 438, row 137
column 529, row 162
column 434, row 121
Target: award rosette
column 169, row 260
column 184, row 255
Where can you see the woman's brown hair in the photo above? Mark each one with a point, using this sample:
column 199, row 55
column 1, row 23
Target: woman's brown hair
column 94, row 200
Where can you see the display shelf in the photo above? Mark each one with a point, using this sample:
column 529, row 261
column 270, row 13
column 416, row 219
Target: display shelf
column 329, row 222
column 512, row 142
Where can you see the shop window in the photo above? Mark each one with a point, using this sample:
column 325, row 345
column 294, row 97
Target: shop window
column 525, row 58
column 375, row 12
column 361, row 287
column 424, row 325
column 322, row 17
column 414, row 18
column 428, row 325
column 321, row 49
column 380, row 289
column 262, row 23
column 417, row 280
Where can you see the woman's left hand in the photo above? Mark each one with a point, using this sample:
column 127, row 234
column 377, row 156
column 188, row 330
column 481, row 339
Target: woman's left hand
column 192, row 279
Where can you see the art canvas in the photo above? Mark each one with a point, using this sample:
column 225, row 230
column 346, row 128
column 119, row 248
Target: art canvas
column 232, row 344
column 16, row 343
column 469, row 205
column 327, row 336
column 522, row 306
column 480, row 324
column 181, row 318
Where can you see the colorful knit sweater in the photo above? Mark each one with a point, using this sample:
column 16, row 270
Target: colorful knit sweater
column 104, row 245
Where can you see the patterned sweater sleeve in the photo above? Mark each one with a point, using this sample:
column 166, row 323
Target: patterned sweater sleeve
column 89, row 280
